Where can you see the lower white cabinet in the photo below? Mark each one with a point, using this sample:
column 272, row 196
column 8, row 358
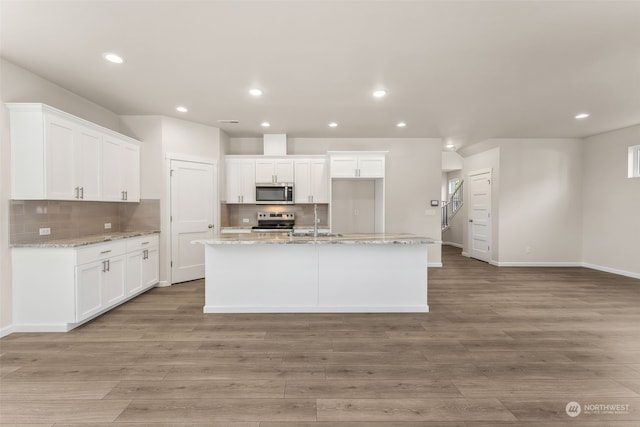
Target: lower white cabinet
column 58, row 288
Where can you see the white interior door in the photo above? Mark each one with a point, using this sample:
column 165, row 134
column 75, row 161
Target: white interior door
column 480, row 214
column 192, row 217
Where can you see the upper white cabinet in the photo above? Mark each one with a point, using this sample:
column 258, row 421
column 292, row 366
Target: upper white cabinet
column 241, row 180
column 274, row 170
column 354, row 164
column 120, row 170
column 57, row 156
column 311, row 181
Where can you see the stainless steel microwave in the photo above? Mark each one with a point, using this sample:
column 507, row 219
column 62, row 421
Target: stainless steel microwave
column 280, row 193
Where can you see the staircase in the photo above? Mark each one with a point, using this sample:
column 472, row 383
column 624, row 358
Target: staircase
column 452, row 206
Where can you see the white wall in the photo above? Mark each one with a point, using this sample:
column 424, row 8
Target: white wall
column 413, row 177
column 20, row 85
column 611, row 203
column 540, row 201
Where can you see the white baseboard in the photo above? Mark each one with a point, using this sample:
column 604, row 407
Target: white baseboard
column 434, row 264
column 316, row 309
column 44, row 327
column 537, row 264
column 466, row 254
column 162, row 284
column 611, row 270
column 457, row 245
column 6, row 331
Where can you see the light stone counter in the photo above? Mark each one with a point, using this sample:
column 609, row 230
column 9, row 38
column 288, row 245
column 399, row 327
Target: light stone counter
column 285, row 239
column 276, row 272
column 84, row 241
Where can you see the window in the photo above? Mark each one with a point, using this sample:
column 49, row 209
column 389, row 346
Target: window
column 453, row 184
column 634, row 161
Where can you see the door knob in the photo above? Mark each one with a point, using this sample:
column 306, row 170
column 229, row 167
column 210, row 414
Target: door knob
column 210, row 225
column 470, row 220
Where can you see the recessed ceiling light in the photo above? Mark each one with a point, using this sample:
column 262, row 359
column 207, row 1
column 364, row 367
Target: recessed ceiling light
column 255, row 92
column 265, row 124
column 401, row 124
column 379, row 93
column 333, row 125
column 182, row 109
column 112, row 57
column 450, row 146
column 582, row 116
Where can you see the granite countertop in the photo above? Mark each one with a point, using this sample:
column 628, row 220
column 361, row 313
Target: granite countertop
column 285, row 238
column 84, row 241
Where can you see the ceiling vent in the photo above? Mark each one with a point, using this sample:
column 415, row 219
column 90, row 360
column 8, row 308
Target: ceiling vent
column 233, row 122
column 275, row 144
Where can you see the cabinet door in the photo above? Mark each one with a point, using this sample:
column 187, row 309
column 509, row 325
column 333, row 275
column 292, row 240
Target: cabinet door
column 302, row 188
column 60, row 152
column 283, row 170
column 371, row 167
column 88, row 164
column 88, row 290
column 234, row 183
column 265, row 171
column 113, row 280
column 131, row 172
column 151, row 267
column 318, row 181
column 248, row 181
column 344, row 167
column 111, row 170
column 134, row 272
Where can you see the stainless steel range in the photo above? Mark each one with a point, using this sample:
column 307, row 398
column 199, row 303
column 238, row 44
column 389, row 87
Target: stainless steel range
column 274, row 221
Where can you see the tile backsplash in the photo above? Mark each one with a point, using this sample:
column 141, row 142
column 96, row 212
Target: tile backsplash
column 231, row 215
column 72, row 219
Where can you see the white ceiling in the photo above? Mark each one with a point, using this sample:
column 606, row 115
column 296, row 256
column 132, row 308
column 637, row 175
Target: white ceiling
column 464, row 71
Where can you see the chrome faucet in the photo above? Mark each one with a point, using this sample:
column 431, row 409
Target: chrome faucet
column 315, row 220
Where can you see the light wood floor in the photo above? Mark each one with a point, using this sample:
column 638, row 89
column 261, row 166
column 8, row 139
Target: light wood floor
column 501, row 346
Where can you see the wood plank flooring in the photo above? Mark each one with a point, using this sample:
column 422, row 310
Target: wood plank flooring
column 500, row 347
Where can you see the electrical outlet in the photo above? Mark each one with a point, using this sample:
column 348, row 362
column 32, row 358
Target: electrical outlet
column 107, row 225
column 45, row 231
column 245, row 220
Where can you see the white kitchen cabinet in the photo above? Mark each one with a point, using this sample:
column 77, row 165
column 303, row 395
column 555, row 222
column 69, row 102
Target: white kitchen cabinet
column 311, row 181
column 120, row 170
column 357, row 164
column 274, row 170
column 58, row 288
column 57, row 156
column 142, row 263
column 241, row 180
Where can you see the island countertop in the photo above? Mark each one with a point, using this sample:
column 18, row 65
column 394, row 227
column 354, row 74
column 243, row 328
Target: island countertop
column 286, row 239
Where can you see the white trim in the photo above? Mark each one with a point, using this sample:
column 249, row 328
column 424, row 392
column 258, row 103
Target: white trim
column 611, row 270
column 465, row 254
column 47, row 327
column 538, row 264
column 457, row 245
column 162, row 284
column 434, row 264
column 314, row 309
column 7, row 330
column 190, row 158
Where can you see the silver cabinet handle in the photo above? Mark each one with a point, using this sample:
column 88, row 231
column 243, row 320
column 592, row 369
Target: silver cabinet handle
column 145, row 243
column 145, row 254
column 105, row 252
column 210, row 225
column 104, row 266
column 470, row 220
column 82, row 192
column 108, row 265
column 77, row 189
column 126, row 195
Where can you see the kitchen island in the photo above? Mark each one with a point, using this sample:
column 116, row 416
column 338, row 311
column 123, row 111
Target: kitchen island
column 278, row 272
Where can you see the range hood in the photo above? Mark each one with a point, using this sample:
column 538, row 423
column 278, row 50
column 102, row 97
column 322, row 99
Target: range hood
column 275, row 144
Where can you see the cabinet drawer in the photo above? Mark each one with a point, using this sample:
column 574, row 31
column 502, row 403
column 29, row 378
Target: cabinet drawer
column 142, row 242
column 100, row 251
